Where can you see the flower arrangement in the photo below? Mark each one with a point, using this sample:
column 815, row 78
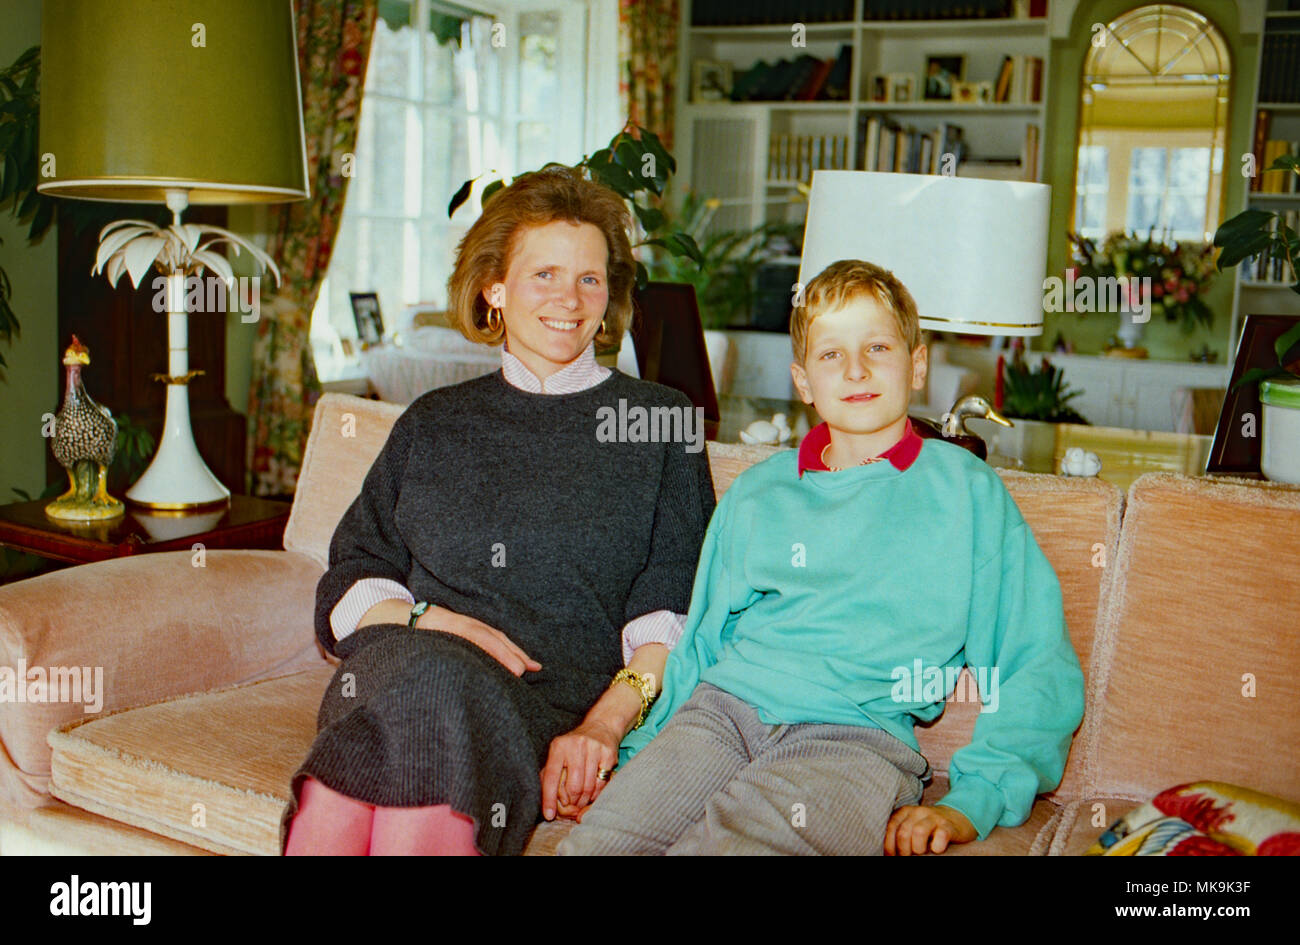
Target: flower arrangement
column 1180, row 273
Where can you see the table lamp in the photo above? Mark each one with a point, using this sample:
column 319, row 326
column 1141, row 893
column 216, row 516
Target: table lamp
column 972, row 252
column 173, row 103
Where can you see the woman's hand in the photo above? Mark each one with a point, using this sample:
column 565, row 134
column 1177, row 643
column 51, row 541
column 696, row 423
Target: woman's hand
column 569, row 782
column 488, row 639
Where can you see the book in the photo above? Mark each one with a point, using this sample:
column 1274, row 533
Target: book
column 812, row 89
column 1263, row 119
column 837, row 80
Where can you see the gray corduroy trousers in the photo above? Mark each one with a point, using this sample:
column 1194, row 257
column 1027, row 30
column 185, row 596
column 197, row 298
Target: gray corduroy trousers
column 717, row 780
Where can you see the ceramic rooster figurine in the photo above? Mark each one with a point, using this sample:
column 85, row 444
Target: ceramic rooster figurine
column 85, row 438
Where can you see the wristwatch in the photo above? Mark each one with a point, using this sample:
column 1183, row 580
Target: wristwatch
column 418, row 609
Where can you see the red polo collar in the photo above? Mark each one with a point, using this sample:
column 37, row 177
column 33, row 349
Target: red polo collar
column 902, row 454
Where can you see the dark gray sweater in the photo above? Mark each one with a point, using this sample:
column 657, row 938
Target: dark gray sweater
column 506, row 506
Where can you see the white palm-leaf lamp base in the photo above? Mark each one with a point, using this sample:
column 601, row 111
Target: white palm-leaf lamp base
column 177, row 478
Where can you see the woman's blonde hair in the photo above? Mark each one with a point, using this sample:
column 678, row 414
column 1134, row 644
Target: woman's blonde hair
column 840, row 283
column 536, row 199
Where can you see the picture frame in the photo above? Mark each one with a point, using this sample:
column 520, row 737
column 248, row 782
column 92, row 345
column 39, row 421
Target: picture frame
column 710, row 81
column 1232, row 453
column 984, row 92
column 902, row 87
column 941, row 71
column 880, row 89
column 369, row 320
column 965, row 93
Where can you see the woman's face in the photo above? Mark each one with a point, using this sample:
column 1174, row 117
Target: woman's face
column 554, row 294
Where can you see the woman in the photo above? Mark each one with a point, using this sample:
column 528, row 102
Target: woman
column 503, row 562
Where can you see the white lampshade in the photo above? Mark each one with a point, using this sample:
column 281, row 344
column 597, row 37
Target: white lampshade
column 972, row 252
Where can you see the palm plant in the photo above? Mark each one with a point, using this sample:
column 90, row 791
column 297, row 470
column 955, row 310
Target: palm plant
column 1029, row 394
column 726, row 280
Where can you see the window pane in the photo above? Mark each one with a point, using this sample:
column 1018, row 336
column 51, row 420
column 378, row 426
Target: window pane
column 446, row 160
column 383, row 273
column 484, row 65
column 439, row 71
column 536, row 145
column 539, row 83
column 437, row 254
column 387, row 163
column 390, row 60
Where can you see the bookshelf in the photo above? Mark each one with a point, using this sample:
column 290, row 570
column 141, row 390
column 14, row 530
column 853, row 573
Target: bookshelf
column 1263, row 289
column 729, row 149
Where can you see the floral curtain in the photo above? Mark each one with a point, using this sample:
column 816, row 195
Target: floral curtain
column 647, row 31
column 333, row 48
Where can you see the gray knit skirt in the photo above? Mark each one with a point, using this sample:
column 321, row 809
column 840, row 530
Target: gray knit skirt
column 414, row 718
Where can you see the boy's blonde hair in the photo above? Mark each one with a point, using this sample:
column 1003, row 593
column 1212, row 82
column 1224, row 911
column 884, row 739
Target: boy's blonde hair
column 842, row 282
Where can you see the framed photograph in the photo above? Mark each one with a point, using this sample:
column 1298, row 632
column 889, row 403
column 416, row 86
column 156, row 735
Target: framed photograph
column 984, row 92
column 370, row 323
column 881, row 89
column 1233, row 452
column 710, row 81
column 965, row 93
column 902, row 87
column 940, row 74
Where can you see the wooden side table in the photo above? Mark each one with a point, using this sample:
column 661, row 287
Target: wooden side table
column 247, row 522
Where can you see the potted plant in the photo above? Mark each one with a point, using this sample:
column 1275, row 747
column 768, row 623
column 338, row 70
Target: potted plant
column 1180, row 274
column 1246, row 235
column 726, row 281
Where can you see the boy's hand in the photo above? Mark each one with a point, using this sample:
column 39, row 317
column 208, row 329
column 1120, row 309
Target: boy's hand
column 926, row 829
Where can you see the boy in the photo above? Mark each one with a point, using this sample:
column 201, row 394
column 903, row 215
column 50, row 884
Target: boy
column 832, row 580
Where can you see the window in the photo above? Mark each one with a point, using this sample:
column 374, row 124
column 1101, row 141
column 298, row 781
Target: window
column 1090, row 193
column 1166, row 191
column 448, row 96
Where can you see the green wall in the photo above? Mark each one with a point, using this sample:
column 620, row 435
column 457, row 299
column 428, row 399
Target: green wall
column 1089, row 333
column 32, row 383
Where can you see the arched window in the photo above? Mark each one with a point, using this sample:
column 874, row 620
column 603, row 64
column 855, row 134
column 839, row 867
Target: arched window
column 1153, row 119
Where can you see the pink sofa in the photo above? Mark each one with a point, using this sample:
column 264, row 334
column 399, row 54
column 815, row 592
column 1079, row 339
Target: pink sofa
column 1180, row 600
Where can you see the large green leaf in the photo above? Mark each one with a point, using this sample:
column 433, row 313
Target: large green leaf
column 1246, row 223
column 1257, row 374
column 1243, row 247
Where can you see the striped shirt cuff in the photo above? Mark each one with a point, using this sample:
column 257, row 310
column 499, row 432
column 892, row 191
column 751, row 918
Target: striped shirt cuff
column 361, row 596
column 661, row 626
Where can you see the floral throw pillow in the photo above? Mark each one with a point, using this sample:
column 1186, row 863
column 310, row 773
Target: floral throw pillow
column 1205, row 818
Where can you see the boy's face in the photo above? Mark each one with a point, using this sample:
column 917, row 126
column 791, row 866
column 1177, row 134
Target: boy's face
column 857, row 370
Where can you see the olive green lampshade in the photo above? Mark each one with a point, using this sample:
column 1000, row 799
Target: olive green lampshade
column 142, row 96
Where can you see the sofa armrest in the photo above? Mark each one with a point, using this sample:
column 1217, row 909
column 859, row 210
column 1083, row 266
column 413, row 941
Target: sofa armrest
column 135, row 630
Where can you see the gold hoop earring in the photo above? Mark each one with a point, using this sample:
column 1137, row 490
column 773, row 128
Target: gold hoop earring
column 603, row 330
column 494, row 326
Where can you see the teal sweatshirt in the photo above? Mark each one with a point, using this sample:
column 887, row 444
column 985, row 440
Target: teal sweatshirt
column 854, row 597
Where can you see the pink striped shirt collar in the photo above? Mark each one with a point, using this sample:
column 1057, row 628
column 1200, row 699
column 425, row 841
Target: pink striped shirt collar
column 581, row 374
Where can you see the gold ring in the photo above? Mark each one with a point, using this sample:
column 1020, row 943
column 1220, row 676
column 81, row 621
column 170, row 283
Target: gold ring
column 603, row 774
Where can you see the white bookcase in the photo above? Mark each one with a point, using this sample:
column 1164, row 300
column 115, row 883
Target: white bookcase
column 722, row 147
column 1270, row 298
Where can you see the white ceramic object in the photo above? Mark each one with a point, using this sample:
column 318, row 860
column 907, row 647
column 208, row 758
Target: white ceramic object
column 766, row 432
column 1080, row 462
column 1280, row 457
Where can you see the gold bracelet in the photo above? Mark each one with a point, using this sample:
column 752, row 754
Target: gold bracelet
column 645, row 687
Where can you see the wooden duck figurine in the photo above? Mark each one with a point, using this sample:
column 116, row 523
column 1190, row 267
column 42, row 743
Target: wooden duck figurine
column 85, row 438
column 953, row 429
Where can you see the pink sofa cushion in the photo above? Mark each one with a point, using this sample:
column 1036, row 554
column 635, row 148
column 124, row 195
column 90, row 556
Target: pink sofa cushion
column 163, row 626
column 1201, row 667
